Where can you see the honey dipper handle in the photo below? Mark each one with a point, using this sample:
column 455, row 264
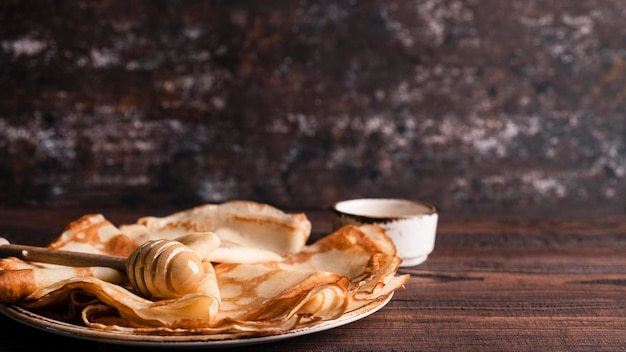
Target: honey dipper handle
column 61, row 257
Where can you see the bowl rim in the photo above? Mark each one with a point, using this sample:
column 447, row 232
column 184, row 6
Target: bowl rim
column 432, row 209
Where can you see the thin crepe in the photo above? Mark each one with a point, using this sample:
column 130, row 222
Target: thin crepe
column 305, row 285
column 262, row 232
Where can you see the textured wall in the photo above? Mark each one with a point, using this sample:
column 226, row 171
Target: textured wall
column 473, row 105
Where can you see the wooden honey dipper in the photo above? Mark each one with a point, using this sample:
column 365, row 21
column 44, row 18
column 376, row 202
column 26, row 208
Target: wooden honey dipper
column 159, row 269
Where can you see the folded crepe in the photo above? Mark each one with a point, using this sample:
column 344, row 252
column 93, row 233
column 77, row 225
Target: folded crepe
column 288, row 284
column 260, row 231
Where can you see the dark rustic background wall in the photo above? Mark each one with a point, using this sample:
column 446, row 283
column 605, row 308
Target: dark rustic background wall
column 476, row 106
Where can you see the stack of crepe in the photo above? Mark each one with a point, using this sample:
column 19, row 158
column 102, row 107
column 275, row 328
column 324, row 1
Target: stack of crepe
column 261, row 277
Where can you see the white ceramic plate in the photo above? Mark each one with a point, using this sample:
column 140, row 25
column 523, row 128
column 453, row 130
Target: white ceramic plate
column 179, row 341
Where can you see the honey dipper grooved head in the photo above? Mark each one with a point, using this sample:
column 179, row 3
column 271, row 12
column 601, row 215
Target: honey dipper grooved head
column 164, row 269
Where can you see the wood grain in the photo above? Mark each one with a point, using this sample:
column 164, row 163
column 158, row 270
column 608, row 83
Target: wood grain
column 539, row 285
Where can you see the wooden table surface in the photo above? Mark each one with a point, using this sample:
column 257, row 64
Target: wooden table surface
column 514, row 285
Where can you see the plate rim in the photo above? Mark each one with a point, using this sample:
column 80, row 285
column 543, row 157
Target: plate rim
column 50, row 325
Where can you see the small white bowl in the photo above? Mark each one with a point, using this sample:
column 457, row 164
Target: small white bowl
column 411, row 225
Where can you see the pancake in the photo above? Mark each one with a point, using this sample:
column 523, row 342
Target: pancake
column 260, row 277
column 243, row 223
